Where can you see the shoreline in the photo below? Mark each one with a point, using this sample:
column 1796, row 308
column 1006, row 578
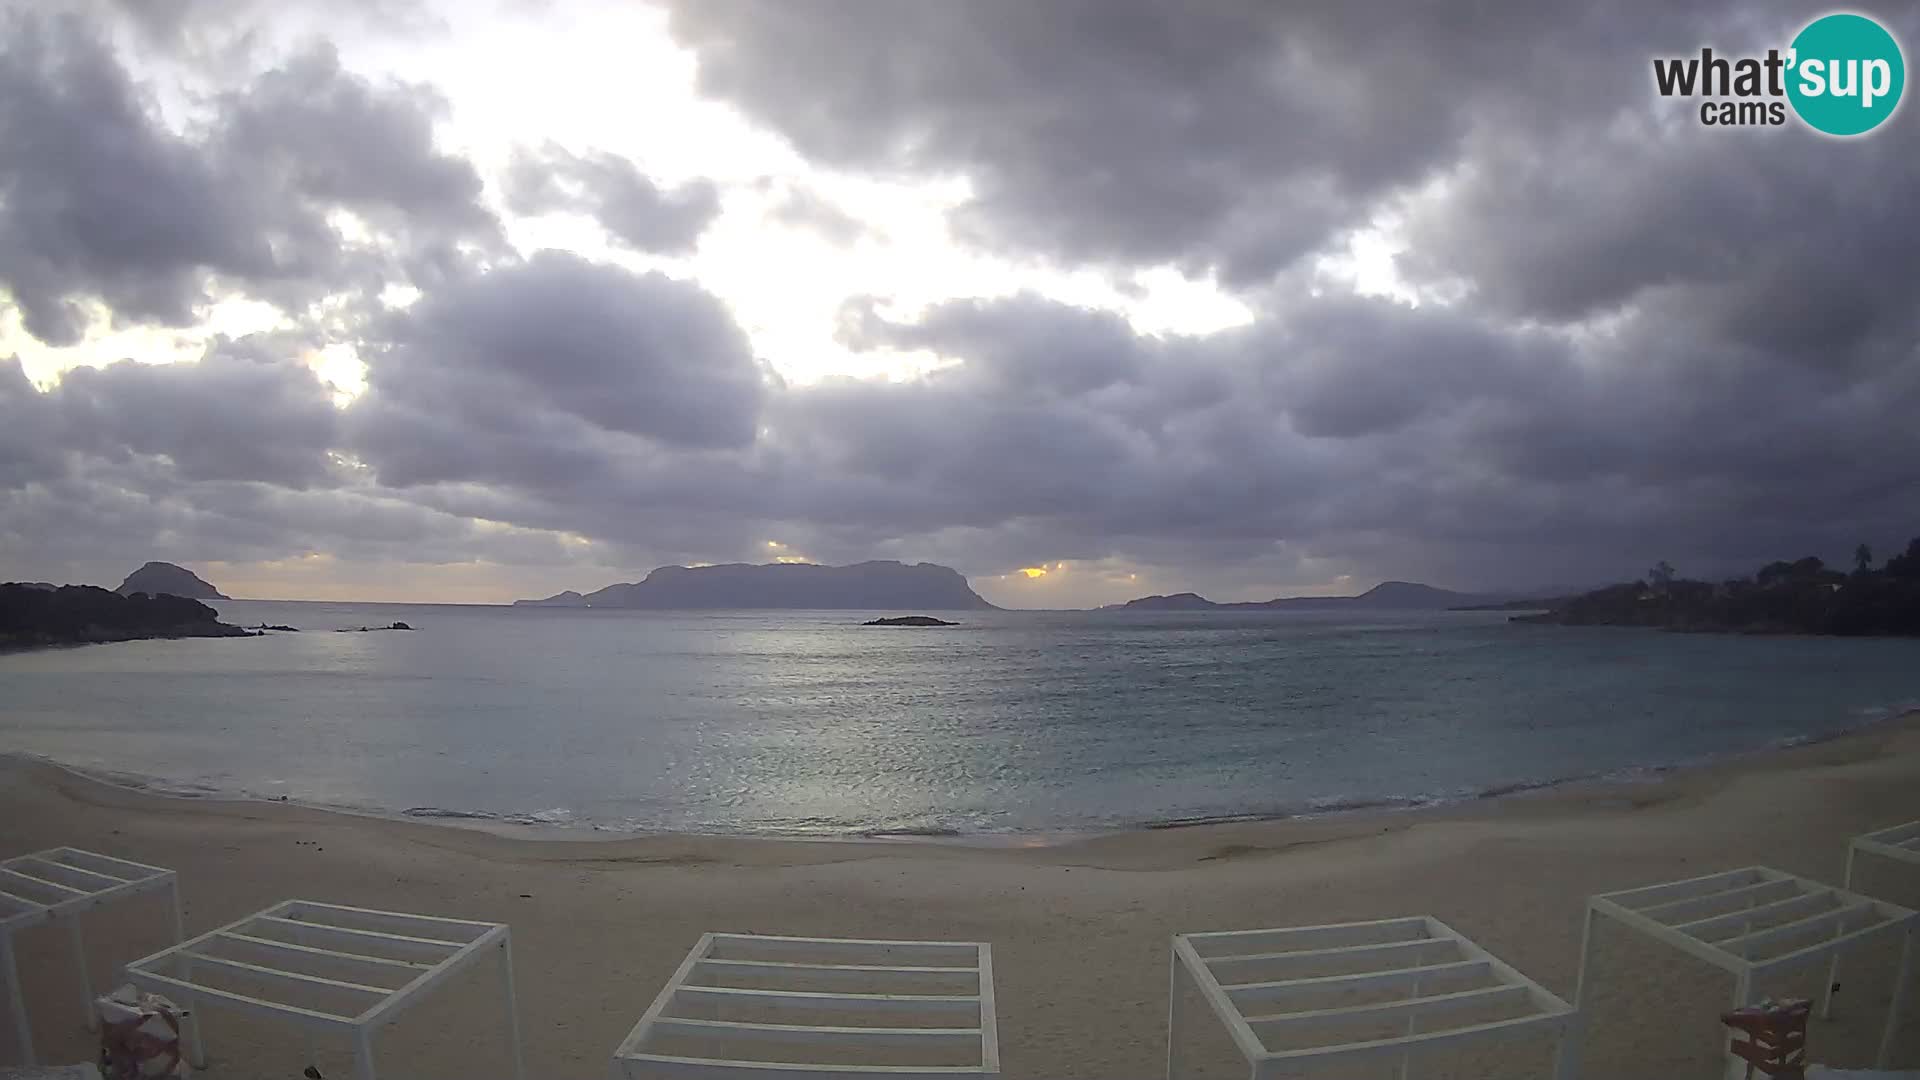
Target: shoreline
column 1079, row 929
column 1616, row 782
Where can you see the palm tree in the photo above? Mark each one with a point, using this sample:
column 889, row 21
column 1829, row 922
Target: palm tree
column 1862, row 559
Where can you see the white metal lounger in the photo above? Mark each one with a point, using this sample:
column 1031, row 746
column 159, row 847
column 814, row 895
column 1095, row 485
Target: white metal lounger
column 57, row 886
column 732, row 991
column 1901, row 844
column 1755, row 922
column 1412, row 971
column 334, row 970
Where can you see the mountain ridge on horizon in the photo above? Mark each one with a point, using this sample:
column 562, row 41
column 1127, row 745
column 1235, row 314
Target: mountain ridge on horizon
column 158, row 578
column 874, row 585
column 1388, row 595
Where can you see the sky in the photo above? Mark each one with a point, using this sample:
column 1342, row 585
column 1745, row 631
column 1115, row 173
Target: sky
column 471, row 301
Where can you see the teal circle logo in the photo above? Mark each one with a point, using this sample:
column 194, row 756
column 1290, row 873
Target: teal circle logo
column 1846, row 74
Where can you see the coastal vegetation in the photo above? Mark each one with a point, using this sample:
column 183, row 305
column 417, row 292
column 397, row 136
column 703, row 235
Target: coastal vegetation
column 1801, row 596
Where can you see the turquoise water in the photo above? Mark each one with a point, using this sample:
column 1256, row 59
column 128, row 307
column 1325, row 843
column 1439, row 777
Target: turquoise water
column 805, row 722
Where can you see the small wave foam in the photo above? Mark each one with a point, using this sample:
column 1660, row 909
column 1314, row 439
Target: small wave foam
column 558, row 815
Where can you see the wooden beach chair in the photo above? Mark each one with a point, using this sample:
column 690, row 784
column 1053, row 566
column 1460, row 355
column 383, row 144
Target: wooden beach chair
column 1775, row 1044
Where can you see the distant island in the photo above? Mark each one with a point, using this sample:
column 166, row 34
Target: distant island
column 32, row 616
column 1804, row 596
column 166, row 579
column 909, row 620
column 1386, row 596
column 867, row 586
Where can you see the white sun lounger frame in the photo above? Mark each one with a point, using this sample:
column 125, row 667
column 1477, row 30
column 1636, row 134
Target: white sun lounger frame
column 1407, row 950
column 856, row 960
column 1767, row 892
column 1900, row 843
column 438, row 949
column 68, row 882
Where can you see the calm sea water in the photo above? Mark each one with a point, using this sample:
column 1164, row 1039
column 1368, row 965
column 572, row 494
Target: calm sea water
column 805, row 722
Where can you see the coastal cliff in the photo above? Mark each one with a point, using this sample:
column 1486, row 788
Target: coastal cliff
column 867, row 586
column 85, row 614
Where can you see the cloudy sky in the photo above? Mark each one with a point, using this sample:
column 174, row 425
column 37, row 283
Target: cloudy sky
column 471, row 300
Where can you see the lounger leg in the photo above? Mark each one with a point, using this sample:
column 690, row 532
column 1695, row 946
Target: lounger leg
column 1566, row 1053
column 1898, row 1005
column 22, row 1029
column 363, row 1054
column 179, row 918
column 1586, row 951
column 1833, row 968
column 86, row 980
column 513, row 1011
column 190, row 1024
column 1406, row 1057
column 1173, row 1014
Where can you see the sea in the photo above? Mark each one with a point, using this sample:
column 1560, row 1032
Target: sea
column 1011, row 725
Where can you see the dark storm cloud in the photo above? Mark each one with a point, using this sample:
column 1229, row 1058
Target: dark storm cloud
column 101, row 202
column 611, row 189
column 97, row 201
column 1755, row 237
column 247, row 410
column 1641, row 339
column 346, row 141
column 1230, row 135
column 561, row 363
column 29, row 445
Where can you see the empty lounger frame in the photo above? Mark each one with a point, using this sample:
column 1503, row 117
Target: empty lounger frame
column 1901, row 844
column 1252, row 980
column 862, row 978
column 383, row 962
column 1723, row 918
column 57, row 886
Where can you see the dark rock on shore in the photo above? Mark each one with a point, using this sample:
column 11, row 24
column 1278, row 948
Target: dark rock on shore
column 83, row 614
column 282, row 629
column 909, row 620
column 370, row 629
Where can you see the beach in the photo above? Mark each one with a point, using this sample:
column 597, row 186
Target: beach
column 1079, row 928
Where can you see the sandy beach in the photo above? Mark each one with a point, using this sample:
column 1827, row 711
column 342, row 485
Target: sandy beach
column 1079, row 929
